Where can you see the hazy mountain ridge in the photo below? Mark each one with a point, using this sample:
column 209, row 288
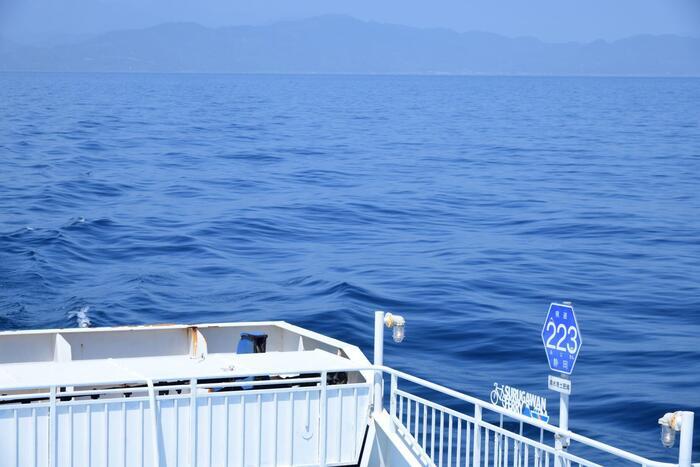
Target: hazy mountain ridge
column 340, row 44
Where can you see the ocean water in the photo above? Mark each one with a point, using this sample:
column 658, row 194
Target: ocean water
column 467, row 204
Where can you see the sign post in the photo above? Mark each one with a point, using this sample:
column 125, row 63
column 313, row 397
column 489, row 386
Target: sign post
column 562, row 343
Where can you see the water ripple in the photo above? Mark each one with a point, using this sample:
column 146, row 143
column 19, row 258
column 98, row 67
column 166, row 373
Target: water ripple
column 465, row 203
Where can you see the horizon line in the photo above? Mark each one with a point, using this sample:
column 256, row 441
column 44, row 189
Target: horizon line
column 368, row 74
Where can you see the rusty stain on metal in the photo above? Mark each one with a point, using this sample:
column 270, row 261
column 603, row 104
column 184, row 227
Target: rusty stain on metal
column 193, row 339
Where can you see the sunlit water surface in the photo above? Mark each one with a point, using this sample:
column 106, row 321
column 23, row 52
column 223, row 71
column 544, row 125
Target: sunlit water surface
column 465, row 203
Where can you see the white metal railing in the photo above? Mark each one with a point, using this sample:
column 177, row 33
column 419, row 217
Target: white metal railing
column 441, row 436
column 305, row 422
column 489, row 435
column 294, row 421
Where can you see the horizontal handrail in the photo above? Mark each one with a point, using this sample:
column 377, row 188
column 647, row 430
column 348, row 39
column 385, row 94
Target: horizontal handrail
column 142, row 380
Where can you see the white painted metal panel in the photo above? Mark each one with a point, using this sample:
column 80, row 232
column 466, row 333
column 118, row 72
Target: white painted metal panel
column 16, row 347
column 262, row 427
column 24, row 433
column 113, row 433
column 346, row 418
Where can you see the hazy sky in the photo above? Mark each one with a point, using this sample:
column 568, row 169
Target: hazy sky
column 550, row 20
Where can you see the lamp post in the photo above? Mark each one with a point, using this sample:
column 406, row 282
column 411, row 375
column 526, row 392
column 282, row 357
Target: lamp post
column 397, row 324
column 683, row 422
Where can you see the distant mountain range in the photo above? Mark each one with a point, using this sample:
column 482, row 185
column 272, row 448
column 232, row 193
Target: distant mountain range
column 341, row 44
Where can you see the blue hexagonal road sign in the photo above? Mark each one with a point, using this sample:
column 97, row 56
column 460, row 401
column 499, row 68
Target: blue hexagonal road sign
column 561, row 338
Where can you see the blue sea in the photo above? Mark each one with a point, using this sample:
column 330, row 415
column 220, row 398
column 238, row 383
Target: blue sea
column 467, row 204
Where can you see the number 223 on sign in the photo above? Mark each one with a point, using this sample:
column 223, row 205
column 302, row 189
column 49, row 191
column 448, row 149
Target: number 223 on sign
column 561, row 337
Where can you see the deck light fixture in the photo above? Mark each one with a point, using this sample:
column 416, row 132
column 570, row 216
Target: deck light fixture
column 397, row 324
column 668, row 436
column 670, row 423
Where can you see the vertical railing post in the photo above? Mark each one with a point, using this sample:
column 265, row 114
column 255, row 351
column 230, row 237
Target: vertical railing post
column 53, row 448
column 154, row 421
column 685, row 451
column 392, row 395
column 378, row 361
column 193, row 423
column 323, row 431
column 477, row 436
column 562, row 442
